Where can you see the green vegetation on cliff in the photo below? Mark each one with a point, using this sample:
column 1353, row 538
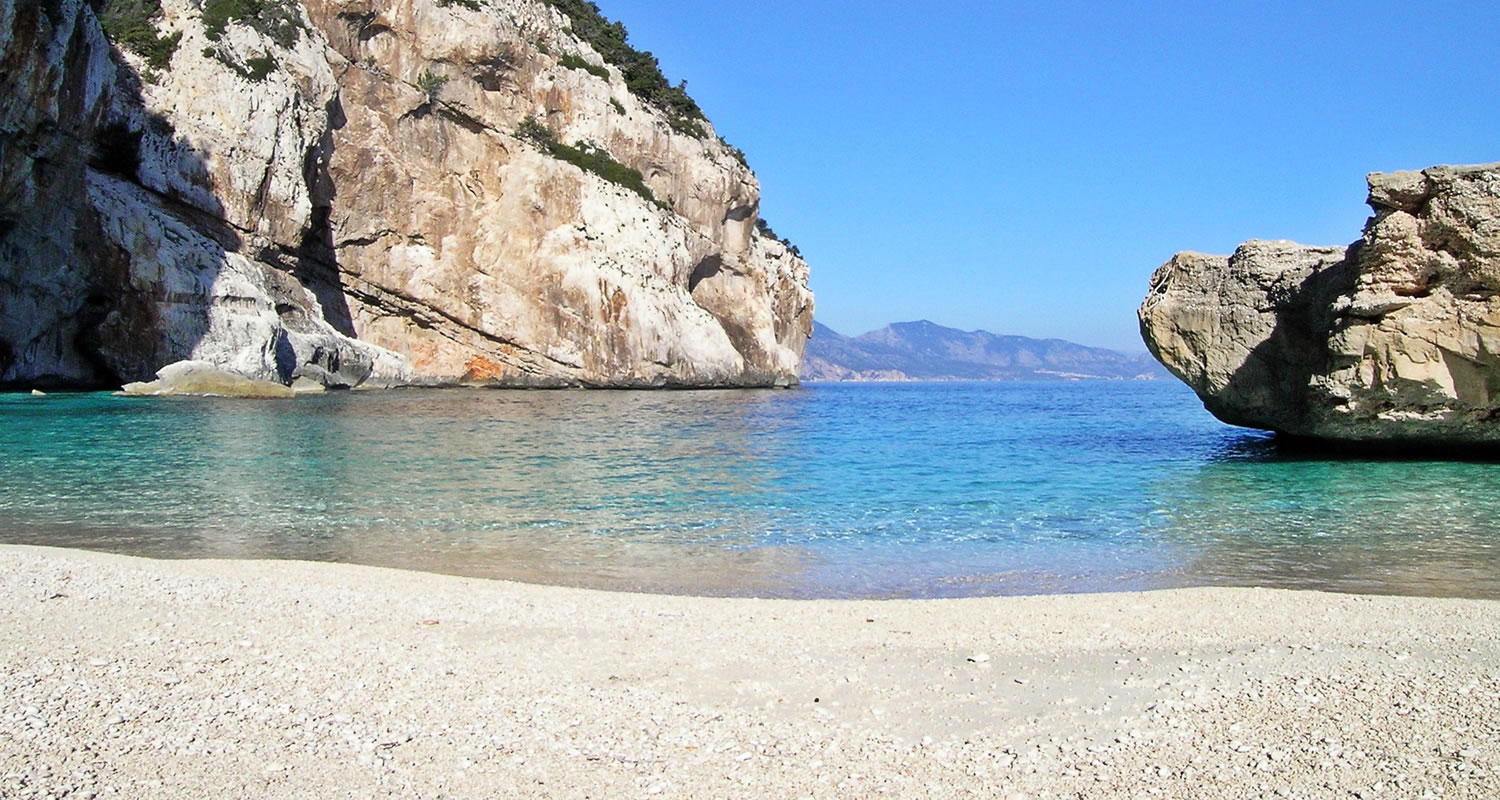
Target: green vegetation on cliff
column 642, row 72
column 571, row 61
column 431, row 83
column 587, row 158
column 131, row 24
column 765, row 230
column 255, row 69
column 280, row 20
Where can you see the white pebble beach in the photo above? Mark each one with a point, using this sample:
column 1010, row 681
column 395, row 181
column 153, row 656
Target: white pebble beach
column 134, row 678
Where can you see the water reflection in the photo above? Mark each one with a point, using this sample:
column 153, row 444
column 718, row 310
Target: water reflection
column 830, row 491
column 587, row 488
column 1260, row 513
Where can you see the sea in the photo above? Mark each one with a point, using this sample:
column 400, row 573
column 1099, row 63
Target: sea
column 898, row 490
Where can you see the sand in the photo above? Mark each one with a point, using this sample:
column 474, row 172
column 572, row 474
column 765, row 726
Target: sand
column 124, row 677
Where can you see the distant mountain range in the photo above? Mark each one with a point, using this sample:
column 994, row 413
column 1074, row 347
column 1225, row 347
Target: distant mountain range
column 926, row 351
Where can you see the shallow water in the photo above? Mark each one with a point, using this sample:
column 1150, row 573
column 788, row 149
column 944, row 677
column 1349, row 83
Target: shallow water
column 891, row 490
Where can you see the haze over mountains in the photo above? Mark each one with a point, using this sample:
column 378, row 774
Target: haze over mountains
column 926, row 351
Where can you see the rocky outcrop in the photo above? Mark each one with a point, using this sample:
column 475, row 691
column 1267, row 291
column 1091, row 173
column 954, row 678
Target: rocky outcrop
column 146, row 223
column 336, row 191
column 204, row 379
column 1394, row 340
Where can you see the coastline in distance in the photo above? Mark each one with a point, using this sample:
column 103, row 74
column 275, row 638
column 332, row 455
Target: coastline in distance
column 926, row 351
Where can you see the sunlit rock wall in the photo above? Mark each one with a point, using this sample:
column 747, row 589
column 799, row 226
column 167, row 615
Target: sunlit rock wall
column 1393, row 340
column 341, row 219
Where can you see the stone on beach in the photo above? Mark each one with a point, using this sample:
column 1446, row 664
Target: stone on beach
column 304, row 385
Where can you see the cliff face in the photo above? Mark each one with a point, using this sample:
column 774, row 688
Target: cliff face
column 1395, row 339
column 338, row 190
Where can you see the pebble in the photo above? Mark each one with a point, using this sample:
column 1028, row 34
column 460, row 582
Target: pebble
column 340, row 677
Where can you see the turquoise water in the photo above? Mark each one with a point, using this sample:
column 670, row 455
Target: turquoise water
column 894, row 490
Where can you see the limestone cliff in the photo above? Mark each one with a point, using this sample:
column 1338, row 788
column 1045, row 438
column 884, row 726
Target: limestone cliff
column 370, row 193
column 1392, row 340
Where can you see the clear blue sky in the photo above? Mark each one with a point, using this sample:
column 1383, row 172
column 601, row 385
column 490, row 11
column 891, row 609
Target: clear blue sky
column 1024, row 168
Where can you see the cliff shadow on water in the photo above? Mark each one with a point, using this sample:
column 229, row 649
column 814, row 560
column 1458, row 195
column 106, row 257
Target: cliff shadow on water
column 1265, row 510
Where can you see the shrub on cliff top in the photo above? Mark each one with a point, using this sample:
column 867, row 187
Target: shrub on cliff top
column 258, row 67
column 765, row 230
column 255, row 69
column 132, row 24
column 536, row 133
column 642, row 71
column 735, row 152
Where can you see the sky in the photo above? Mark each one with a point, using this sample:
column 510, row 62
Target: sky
column 1023, row 168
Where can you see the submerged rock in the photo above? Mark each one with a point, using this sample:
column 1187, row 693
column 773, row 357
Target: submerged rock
column 203, row 378
column 304, row 385
column 1394, row 340
column 372, row 195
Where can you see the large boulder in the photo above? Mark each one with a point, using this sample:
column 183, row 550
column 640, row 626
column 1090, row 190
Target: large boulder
column 1394, row 340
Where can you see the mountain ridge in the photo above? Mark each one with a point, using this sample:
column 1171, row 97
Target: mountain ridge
column 923, row 350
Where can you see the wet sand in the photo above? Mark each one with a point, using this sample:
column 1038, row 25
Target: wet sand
column 126, row 677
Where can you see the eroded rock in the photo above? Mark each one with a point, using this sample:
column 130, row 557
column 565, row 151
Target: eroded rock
column 363, row 212
column 1394, row 340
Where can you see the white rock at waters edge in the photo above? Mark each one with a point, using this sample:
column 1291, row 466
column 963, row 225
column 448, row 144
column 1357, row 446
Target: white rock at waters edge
column 304, row 385
column 205, row 379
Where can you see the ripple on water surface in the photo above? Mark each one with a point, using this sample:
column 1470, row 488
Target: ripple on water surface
column 901, row 490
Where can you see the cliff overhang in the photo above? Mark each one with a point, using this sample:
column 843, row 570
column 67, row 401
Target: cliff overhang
column 1391, row 343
